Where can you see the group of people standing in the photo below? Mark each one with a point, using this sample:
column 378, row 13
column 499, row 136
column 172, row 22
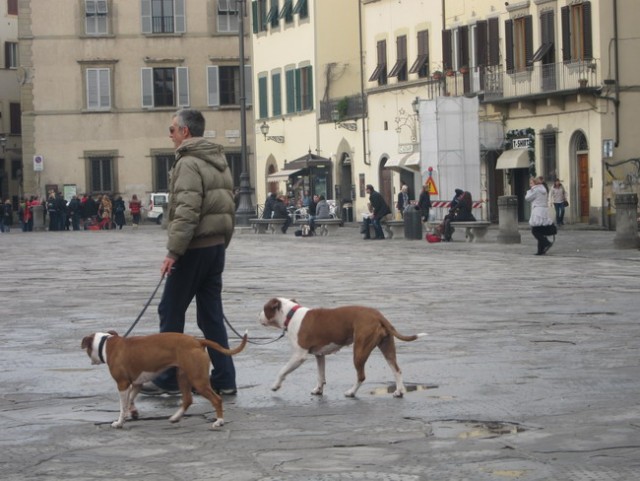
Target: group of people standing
column 77, row 213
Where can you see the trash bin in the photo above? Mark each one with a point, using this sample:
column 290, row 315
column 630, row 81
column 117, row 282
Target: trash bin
column 347, row 213
column 412, row 223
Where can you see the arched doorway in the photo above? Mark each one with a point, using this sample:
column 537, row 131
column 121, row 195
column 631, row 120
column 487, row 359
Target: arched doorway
column 385, row 187
column 580, row 177
column 347, row 187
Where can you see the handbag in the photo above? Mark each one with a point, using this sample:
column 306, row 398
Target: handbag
column 566, row 203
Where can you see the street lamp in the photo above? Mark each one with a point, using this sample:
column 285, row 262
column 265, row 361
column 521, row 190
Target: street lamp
column 264, row 129
column 245, row 209
column 335, row 118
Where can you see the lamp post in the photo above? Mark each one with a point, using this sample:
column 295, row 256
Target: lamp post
column 264, row 130
column 245, row 207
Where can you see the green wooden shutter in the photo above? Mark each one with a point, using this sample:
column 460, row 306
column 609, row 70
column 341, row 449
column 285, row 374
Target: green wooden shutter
column 276, row 94
column 290, row 91
column 263, row 107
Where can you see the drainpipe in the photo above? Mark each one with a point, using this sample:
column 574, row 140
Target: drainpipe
column 363, row 99
column 617, row 72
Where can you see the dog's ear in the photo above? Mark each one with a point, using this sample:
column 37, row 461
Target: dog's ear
column 294, row 301
column 113, row 333
column 271, row 307
column 87, row 342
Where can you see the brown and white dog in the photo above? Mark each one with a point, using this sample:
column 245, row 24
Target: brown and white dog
column 135, row 360
column 324, row 331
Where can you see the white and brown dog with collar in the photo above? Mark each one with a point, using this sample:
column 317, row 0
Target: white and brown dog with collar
column 324, row 331
column 135, row 360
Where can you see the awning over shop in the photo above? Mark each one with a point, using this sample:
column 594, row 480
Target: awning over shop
column 395, row 163
column 282, row 175
column 402, row 162
column 513, row 159
column 412, row 161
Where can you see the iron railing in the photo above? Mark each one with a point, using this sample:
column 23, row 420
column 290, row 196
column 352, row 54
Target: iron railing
column 496, row 84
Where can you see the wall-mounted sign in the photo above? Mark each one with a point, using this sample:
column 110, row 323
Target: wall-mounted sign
column 607, row 148
column 38, row 163
column 520, row 143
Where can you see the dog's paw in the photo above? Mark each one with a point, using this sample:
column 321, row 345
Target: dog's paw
column 350, row 393
column 317, row 391
column 217, row 423
column 398, row 394
column 134, row 414
column 117, row 424
column 275, row 387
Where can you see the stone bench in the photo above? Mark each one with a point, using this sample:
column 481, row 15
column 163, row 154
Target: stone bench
column 390, row 228
column 324, row 227
column 474, row 230
column 394, row 228
column 327, row 227
column 262, row 226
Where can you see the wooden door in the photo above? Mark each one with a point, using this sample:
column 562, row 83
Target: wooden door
column 583, row 188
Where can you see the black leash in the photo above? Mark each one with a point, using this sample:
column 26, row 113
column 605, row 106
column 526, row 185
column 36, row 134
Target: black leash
column 249, row 340
column 153, row 294
column 240, row 336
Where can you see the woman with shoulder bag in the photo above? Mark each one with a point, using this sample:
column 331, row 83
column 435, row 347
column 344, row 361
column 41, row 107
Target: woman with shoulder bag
column 541, row 225
column 559, row 199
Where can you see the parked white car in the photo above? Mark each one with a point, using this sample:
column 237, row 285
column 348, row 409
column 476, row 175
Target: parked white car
column 157, row 201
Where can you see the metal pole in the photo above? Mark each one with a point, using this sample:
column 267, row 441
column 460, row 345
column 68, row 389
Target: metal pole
column 245, row 208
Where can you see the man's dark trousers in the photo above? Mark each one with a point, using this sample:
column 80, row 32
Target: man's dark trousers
column 198, row 273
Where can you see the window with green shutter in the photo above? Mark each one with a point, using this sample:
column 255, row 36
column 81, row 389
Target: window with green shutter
column 276, row 94
column 263, row 107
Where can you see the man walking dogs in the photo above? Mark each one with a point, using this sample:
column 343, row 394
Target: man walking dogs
column 201, row 218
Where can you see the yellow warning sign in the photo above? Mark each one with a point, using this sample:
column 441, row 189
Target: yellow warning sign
column 431, row 186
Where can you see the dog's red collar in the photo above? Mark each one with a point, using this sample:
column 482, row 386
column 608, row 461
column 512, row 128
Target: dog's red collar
column 290, row 314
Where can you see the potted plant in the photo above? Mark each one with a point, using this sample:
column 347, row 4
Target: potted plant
column 582, row 82
column 464, row 70
column 342, row 107
column 450, row 73
column 437, row 75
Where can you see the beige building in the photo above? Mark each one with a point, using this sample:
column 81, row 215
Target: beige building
column 101, row 79
column 547, row 78
column 402, row 52
column 557, row 75
column 10, row 122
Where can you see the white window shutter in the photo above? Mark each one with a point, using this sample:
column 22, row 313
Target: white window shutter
column 182, row 74
column 145, row 16
column 247, row 86
column 105, row 88
column 147, row 87
column 92, row 88
column 179, row 16
column 213, row 86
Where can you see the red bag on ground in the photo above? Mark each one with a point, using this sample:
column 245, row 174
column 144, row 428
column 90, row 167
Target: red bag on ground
column 432, row 238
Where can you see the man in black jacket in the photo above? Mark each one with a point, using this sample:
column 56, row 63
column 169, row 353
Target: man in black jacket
column 280, row 212
column 379, row 210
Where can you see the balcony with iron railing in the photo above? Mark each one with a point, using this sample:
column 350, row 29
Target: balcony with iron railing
column 347, row 108
column 537, row 81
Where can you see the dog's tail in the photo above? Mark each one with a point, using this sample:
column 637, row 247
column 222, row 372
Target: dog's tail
column 229, row 352
column 408, row 338
column 397, row 335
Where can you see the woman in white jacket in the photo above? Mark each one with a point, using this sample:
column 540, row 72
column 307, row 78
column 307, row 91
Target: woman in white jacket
column 539, row 220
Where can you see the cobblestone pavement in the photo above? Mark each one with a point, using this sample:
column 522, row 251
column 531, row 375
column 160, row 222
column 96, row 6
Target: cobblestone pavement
column 531, row 370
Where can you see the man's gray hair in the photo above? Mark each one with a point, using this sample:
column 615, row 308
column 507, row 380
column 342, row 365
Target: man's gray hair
column 192, row 119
